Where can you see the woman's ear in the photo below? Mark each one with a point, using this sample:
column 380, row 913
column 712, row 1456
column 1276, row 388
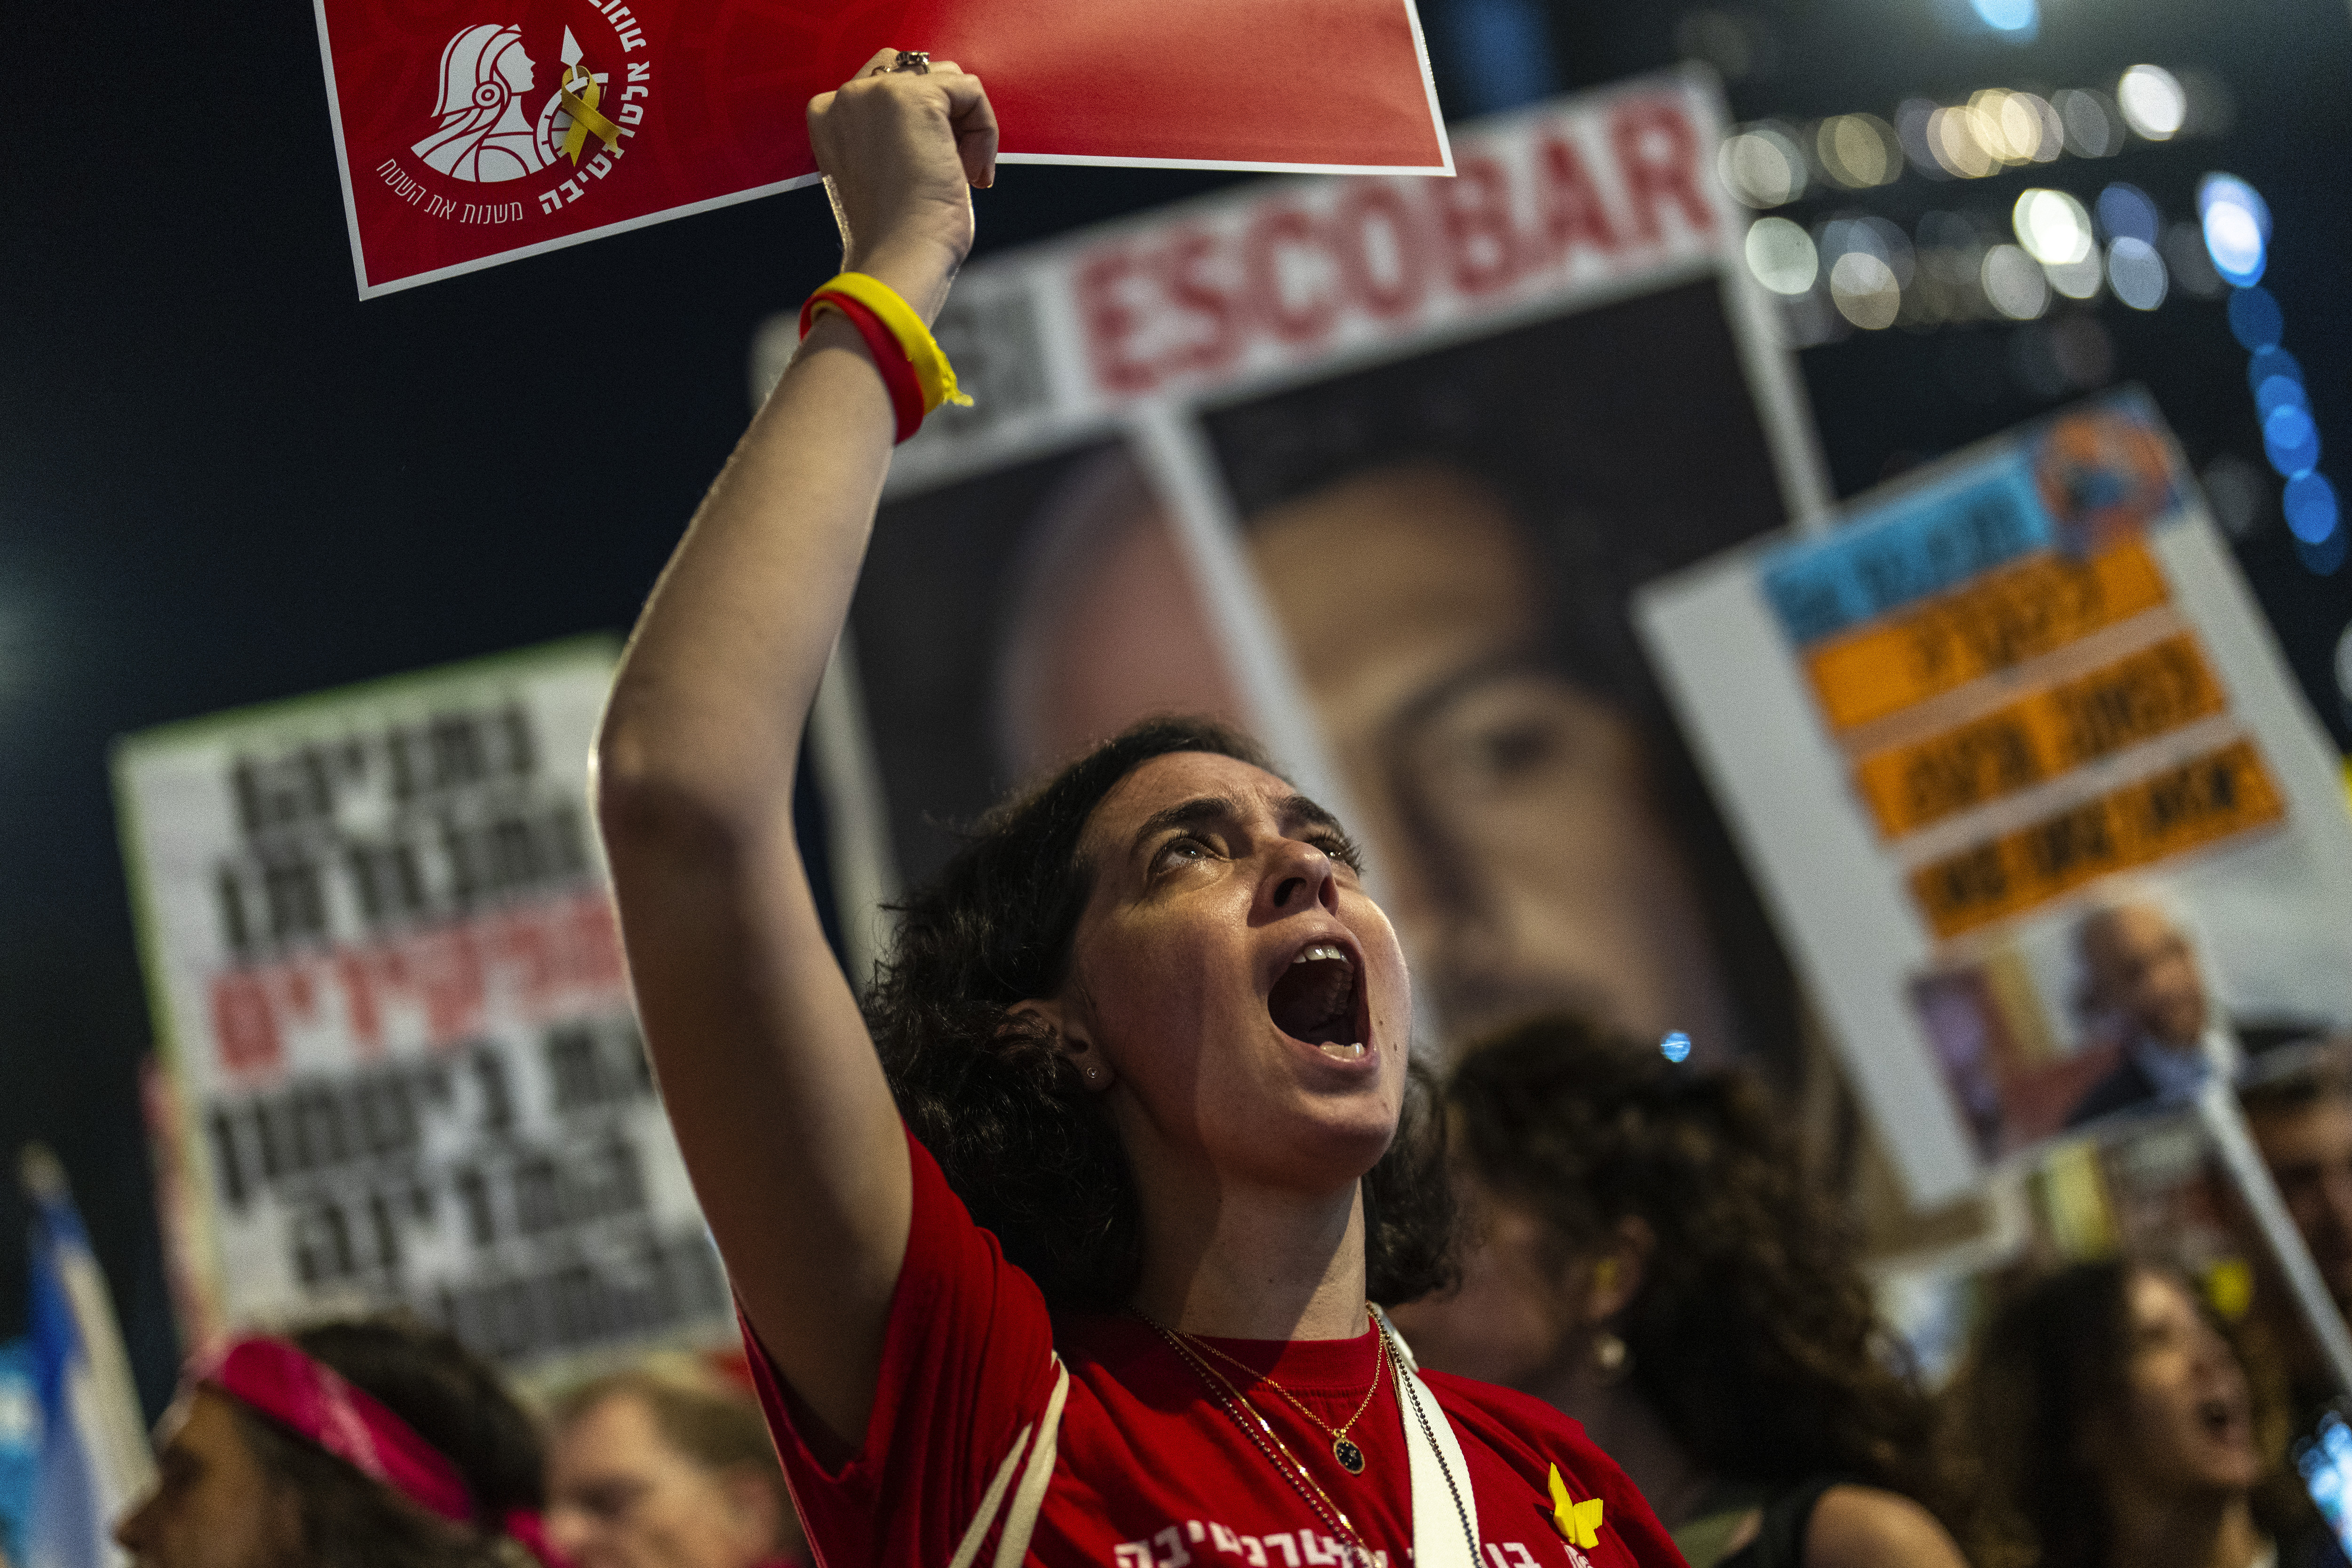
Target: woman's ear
column 1620, row 1271
column 1071, row 1042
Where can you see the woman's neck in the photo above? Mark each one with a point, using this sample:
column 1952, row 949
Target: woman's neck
column 2155, row 1528
column 1621, row 1422
column 1241, row 1263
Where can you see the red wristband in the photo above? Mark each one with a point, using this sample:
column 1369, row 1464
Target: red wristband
column 889, row 357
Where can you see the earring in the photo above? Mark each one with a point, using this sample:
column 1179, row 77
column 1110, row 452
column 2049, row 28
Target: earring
column 1609, row 1356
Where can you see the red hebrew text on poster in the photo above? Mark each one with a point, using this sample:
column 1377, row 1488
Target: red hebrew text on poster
column 1615, row 191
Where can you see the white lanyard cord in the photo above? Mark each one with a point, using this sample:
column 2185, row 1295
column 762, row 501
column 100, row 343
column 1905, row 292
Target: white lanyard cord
column 1431, row 1451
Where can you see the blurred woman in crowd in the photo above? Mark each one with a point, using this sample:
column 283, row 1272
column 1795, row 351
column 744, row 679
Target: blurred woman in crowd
column 2113, row 1425
column 368, row 1444
column 1651, row 1258
column 646, row 1470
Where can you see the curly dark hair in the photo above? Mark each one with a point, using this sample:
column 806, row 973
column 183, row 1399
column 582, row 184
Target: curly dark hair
column 1753, row 1336
column 2052, row 1358
column 455, row 1402
column 1033, row 1156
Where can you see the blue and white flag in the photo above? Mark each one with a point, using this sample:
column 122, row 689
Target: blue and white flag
column 94, row 1459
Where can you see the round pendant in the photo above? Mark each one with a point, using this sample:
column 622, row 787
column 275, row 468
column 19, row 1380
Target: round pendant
column 1351, row 1457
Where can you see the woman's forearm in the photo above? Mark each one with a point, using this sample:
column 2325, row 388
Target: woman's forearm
column 766, row 1071
column 708, row 706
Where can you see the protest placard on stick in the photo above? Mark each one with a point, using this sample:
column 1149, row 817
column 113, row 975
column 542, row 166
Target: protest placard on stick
column 390, row 998
column 468, row 138
column 2034, row 798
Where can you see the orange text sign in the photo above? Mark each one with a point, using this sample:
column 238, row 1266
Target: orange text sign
column 2208, row 797
column 1996, row 623
column 2143, row 695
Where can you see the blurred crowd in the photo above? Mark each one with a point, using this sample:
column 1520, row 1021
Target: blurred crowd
column 382, row 1443
column 1643, row 1246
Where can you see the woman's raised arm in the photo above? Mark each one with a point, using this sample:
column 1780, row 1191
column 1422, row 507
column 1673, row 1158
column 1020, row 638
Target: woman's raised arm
column 765, row 1065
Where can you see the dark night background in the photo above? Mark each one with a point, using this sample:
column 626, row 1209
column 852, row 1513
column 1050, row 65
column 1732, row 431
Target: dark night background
column 222, row 480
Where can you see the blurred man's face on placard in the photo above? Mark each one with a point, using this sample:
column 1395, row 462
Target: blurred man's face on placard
column 1510, row 811
column 2140, row 976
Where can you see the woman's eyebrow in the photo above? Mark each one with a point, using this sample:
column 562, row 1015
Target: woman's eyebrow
column 1299, row 809
column 1185, row 814
column 1293, row 811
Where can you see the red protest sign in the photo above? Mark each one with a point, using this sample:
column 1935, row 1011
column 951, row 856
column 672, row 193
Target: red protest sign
column 474, row 133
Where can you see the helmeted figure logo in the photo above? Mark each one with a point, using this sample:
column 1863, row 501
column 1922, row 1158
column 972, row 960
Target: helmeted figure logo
column 484, row 136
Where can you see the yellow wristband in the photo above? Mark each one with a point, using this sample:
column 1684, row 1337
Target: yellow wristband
column 932, row 372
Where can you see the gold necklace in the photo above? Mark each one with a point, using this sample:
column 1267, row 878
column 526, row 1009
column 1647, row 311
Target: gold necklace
column 1260, row 1432
column 1344, row 1449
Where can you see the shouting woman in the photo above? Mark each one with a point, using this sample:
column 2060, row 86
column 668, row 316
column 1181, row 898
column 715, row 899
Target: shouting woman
column 1078, row 1267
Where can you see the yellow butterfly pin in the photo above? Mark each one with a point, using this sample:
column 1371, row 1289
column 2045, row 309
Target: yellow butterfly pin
column 1578, row 1521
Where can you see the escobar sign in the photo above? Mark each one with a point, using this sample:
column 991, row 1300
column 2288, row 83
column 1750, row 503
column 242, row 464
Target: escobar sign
column 1584, row 200
column 387, row 974
column 468, row 137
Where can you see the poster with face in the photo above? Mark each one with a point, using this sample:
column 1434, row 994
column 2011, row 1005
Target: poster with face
column 2037, row 804
column 2119, row 1006
column 1370, row 470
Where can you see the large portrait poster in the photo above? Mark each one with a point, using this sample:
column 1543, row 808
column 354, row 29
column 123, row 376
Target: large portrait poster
column 2036, row 799
column 1370, row 467
column 389, row 990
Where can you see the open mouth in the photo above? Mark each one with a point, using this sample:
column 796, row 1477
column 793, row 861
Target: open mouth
column 1314, row 1001
column 2219, row 1416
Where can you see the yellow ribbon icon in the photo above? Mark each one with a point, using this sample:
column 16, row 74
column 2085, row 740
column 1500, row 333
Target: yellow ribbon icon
column 1578, row 1521
column 581, row 107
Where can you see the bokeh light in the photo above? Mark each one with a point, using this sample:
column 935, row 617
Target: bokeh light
column 1763, row 166
column 2272, row 364
column 2152, row 101
column 1676, row 1047
column 2255, row 319
column 1864, row 288
column 2077, row 279
column 1874, row 235
column 2090, row 122
column 2015, row 127
column 2236, row 228
column 2276, row 392
column 2013, row 281
column 1858, row 151
column 2052, row 228
column 2310, row 506
column 2290, row 439
column 1952, row 140
column 2237, row 225
column 2015, row 18
column 1781, row 256
column 2136, row 272
column 2126, row 211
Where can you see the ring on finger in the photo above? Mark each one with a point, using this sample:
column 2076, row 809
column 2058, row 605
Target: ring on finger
column 916, row 62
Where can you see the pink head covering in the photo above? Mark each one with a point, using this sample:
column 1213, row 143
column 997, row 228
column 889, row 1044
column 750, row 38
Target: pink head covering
column 318, row 1405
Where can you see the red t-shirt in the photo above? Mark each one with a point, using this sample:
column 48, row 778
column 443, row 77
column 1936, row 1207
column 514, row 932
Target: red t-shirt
column 1152, row 1471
